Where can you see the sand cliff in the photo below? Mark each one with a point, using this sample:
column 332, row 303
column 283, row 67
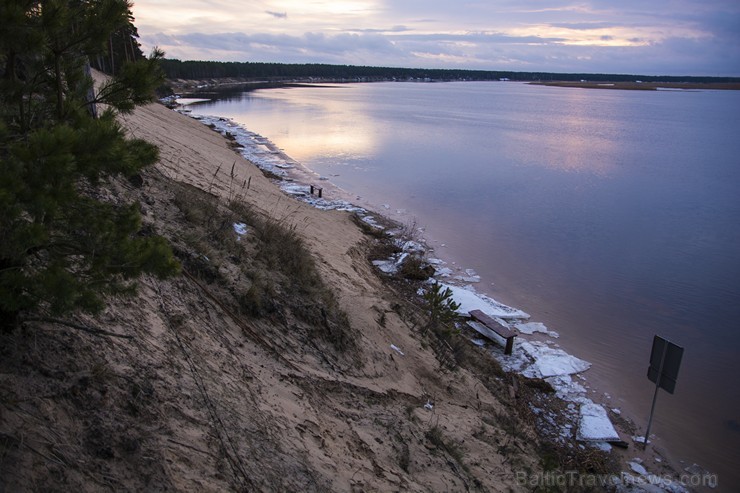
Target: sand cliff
column 242, row 374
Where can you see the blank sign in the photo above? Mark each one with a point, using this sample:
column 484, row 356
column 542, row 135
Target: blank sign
column 665, row 360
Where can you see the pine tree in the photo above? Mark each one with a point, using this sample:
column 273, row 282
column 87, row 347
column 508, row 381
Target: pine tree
column 442, row 307
column 62, row 249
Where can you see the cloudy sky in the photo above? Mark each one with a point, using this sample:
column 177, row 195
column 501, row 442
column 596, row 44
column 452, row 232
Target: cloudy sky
column 648, row 37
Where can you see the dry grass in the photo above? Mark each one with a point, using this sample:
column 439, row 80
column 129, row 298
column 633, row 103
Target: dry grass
column 416, row 269
column 435, row 436
column 269, row 272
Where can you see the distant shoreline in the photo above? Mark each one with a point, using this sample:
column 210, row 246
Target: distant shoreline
column 205, row 86
column 643, row 86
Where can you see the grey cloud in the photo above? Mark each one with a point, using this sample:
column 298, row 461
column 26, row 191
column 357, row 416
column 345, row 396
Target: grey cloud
column 310, row 47
column 394, row 29
column 585, row 26
column 478, row 37
column 277, row 15
column 722, row 23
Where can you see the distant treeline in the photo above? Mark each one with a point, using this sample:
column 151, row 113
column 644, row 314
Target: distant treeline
column 176, row 69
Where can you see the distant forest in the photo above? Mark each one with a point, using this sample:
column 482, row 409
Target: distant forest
column 176, row 69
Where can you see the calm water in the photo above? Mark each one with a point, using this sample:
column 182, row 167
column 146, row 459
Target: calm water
column 609, row 215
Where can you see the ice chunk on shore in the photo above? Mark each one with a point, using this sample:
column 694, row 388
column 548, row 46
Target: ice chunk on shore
column 294, row 189
column 372, row 222
column 468, row 278
column 411, row 246
column 392, row 264
column 252, row 147
column 638, row 468
column 595, row 424
column 187, row 101
column 568, row 390
column 470, row 300
column 532, row 327
column 386, row 266
column 550, row 362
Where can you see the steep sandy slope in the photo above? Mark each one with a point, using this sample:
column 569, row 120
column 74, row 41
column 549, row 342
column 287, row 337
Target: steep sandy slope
column 239, row 376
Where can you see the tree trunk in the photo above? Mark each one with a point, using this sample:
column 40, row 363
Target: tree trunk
column 60, row 88
column 92, row 108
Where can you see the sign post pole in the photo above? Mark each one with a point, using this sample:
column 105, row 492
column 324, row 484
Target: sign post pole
column 665, row 360
column 655, row 398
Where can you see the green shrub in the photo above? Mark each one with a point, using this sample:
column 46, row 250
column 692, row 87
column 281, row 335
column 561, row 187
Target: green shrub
column 442, row 308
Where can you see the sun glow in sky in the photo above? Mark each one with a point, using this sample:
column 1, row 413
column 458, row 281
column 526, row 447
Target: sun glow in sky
column 659, row 37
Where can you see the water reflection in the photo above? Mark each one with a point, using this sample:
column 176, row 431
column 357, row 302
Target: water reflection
column 327, row 128
column 577, row 135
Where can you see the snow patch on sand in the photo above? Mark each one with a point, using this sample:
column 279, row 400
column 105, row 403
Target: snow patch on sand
column 240, row 229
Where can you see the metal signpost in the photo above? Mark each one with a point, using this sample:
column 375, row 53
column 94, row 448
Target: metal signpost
column 665, row 360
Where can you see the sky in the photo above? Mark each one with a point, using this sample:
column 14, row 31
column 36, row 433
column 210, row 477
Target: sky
column 645, row 37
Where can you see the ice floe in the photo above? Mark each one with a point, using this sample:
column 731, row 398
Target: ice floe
column 469, row 276
column 392, row 264
column 372, row 222
column 411, row 246
column 595, row 425
column 568, row 390
column 638, row 468
column 533, row 327
column 470, row 300
column 535, row 359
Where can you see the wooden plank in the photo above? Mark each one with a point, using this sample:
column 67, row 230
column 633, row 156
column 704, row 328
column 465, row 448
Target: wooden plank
column 509, row 345
column 486, row 332
column 489, row 322
column 496, row 327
